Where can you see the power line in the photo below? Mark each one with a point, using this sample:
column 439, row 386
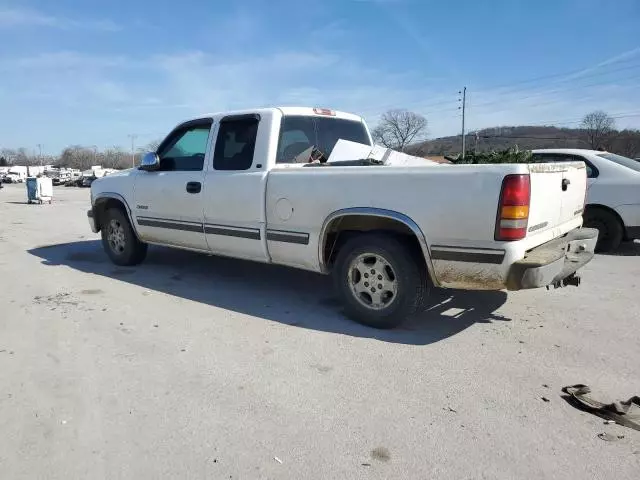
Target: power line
column 579, row 120
column 527, row 137
column 551, row 92
column 562, row 77
column 564, row 74
column 379, row 108
column 427, row 108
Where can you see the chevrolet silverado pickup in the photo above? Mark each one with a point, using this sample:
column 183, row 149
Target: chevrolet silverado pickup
column 257, row 185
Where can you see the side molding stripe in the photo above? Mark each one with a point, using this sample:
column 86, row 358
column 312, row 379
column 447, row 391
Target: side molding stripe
column 284, row 236
column 460, row 254
column 288, row 237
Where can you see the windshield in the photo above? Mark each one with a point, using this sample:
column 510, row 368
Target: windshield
column 299, row 133
column 620, row 160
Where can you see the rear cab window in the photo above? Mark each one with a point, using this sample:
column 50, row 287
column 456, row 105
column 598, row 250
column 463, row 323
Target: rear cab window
column 299, row 134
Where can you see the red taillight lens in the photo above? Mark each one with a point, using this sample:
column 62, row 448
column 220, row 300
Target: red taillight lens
column 516, row 190
column 513, row 211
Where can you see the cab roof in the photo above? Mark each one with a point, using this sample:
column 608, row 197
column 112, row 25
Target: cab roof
column 301, row 111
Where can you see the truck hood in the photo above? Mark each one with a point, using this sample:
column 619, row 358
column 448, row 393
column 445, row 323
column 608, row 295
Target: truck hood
column 120, row 173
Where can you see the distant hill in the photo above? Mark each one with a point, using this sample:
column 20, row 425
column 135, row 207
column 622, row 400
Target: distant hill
column 626, row 142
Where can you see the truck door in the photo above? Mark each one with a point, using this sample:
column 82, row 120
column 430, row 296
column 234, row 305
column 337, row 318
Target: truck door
column 234, row 193
column 168, row 201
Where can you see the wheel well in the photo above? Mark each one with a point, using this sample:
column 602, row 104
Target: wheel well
column 104, row 204
column 596, row 206
column 343, row 228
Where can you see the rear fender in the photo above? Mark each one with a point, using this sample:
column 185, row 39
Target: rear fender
column 376, row 212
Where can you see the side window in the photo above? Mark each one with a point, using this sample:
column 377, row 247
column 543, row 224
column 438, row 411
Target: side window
column 592, row 172
column 185, row 149
column 297, row 134
column 236, row 144
column 539, row 158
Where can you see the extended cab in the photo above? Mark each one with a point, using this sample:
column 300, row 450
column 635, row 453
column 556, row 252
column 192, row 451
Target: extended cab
column 242, row 184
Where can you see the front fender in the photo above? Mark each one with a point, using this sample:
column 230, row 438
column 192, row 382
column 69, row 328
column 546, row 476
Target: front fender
column 102, row 199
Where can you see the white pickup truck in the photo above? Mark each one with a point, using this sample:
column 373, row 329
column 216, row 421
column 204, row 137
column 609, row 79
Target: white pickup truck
column 241, row 184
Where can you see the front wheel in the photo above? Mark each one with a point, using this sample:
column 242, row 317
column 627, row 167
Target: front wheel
column 119, row 240
column 379, row 280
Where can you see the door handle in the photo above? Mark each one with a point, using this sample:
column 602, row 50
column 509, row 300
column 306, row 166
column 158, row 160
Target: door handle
column 194, row 187
column 565, row 183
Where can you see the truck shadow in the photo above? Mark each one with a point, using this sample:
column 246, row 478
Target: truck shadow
column 292, row 297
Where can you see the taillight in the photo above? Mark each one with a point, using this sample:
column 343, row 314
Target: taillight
column 513, row 210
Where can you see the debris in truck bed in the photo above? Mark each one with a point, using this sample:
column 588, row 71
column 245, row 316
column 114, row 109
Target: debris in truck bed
column 346, row 150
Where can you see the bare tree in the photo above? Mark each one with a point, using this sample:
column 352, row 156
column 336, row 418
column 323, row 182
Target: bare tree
column 152, row 146
column 398, row 128
column 626, row 143
column 77, row 156
column 598, row 127
column 116, row 157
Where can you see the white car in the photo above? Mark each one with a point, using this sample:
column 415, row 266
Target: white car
column 253, row 184
column 13, row 177
column 613, row 196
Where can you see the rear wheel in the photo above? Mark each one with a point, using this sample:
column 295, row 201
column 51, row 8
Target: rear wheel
column 379, row 280
column 119, row 240
column 610, row 230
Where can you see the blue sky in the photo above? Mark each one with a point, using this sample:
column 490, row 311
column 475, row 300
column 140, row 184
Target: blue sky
column 91, row 72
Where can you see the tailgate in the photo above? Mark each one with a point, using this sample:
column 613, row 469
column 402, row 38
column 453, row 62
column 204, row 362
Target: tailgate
column 557, row 194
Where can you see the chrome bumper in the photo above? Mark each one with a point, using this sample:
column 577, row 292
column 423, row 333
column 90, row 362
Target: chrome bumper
column 554, row 263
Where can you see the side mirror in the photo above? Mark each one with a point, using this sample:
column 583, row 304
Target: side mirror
column 150, row 162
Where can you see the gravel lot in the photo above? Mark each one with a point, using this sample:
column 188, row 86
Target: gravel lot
column 191, row 366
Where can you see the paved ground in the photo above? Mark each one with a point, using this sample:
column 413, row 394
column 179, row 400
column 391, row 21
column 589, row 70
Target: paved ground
column 199, row 367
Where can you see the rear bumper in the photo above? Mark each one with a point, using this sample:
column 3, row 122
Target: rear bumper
column 92, row 221
column 553, row 262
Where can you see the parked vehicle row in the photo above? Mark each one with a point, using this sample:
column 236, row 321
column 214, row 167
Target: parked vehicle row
column 13, row 177
column 59, row 176
column 257, row 185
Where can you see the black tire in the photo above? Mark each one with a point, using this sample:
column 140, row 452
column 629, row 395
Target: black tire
column 610, row 230
column 407, row 271
column 119, row 240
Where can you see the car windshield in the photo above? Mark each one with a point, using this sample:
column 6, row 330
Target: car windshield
column 620, row 160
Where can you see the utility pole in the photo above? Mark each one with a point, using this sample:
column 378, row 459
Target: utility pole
column 464, row 105
column 40, row 153
column 133, row 137
column 95, row 154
